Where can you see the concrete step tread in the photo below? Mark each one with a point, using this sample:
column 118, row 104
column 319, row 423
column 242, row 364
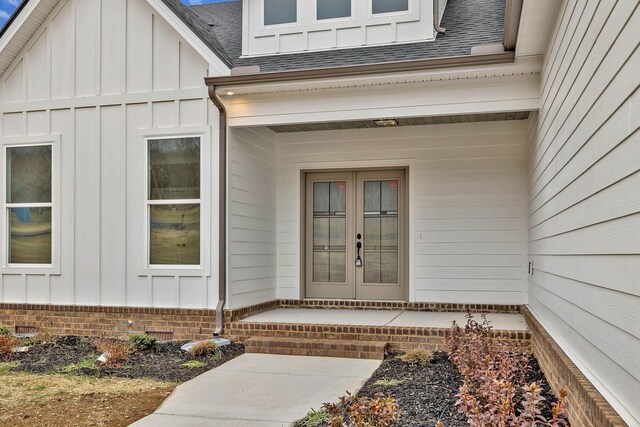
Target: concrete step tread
column 307, row 342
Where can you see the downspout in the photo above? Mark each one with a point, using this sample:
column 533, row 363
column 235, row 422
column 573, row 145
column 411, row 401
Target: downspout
column 436, row 16
column 222, row 211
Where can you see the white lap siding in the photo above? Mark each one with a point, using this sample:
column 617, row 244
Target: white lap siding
column 584, row 197
column 469, row 225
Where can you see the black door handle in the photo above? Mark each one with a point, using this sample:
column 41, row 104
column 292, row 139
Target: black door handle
column 358, row 247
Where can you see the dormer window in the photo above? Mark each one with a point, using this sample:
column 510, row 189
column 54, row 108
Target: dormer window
column 333, row 9
column 277, row 12
column 389, row 6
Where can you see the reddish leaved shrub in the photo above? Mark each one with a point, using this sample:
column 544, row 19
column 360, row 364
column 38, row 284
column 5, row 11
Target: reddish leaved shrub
column 494, row 392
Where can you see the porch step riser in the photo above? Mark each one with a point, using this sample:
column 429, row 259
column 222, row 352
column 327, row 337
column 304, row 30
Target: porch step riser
column 432, row 339
column 309, row 347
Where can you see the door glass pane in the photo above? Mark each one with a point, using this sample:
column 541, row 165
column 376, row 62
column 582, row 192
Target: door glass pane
column 372, row 196
column 329, row 231
column 30, row 236
column 174, row 169
column 330, row 9
column 387, row 6
column 29, row 174
column 380, row 231
column 279, row 12
column 175, row 234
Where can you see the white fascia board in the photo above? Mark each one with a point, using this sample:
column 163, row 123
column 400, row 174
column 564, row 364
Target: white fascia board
column 216, row 66
column 17, row 24
column 469, row 96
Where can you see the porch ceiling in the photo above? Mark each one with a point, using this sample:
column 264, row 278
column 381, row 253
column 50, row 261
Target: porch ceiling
column 409, row 121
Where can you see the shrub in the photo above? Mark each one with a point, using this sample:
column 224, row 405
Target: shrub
column 7, row 344
column 418, row 356
column 205, row 349
column 194, row 364
column 380, row 411
column 141, row 342
column 5, row 331
column 117, row 351
column 494, row 391
column 314, row 419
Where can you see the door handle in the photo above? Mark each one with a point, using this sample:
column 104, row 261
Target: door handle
column 358, row 247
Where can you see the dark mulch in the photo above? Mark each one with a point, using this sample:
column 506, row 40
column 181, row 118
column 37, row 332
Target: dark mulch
column 163, row 363
column 426, row 393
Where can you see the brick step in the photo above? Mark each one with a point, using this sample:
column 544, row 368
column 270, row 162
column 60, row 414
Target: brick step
column 315, row 347
column 399, row 338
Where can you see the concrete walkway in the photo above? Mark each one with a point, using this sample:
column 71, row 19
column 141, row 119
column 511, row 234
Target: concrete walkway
column 424, row 319
column 260, row 390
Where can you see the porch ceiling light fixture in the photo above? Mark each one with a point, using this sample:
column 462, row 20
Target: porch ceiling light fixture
column 229, row 93
column 386, row 122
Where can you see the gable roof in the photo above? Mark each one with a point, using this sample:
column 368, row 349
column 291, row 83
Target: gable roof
column 468, row 22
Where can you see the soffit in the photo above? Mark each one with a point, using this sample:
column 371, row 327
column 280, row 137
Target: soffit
column 22, row 30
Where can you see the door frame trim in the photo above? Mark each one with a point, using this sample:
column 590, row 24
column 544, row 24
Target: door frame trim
column 303, row 168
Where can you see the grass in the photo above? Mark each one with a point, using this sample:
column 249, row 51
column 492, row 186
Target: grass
column 314, row 418
column 87, row 362
column 8, row 366
column 194, row 364
column 388, row 383
column 19, row 390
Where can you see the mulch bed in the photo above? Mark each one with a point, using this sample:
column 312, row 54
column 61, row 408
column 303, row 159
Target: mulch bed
column 163, row 363
column 426, row 393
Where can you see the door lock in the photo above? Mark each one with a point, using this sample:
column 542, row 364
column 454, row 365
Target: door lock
column 358, row 247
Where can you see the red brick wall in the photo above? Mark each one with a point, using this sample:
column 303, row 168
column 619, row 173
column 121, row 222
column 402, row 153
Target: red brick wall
column 586, row 406
column 183, row 324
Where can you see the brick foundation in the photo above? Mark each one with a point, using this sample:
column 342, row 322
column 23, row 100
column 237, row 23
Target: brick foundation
column 178, row 324
column 586, row 406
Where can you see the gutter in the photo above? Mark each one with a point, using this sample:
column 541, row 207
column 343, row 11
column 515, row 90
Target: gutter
column 222, row 211
column 362, row 70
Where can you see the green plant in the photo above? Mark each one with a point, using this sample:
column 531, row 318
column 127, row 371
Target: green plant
column 494, row 392
column 86, row 363
column 8, row 366
column 194, row 364
column 388, row 383
column 205, row 349
column 418, row 356
column 7, row 344
column 314, row 419
column 379, row 411
column 5, row 331
column 141, row 342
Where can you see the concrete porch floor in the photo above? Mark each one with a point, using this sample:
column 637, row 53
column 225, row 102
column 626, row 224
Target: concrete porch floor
column 420, row 319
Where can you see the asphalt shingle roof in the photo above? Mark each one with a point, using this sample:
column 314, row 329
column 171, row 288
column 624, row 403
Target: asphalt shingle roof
column 468, row 23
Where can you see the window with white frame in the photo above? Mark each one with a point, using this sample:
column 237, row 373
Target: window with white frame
column 389, row 6
column 29, row 204
column 174, row 201
column 333, row 9
column 278, row 12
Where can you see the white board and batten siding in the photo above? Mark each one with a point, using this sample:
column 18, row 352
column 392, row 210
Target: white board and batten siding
column 584, row 196
column 99, row 74
column 467, row 204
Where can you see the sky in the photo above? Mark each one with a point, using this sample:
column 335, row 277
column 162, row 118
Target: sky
column 8, row 6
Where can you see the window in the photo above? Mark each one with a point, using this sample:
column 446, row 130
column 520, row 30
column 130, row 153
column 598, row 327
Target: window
column 174, row 201
column 389, row 6
column 28, row 204
column 332, row 9
column 280, row 12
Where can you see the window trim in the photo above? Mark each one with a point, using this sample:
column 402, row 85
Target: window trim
column 204, row 268
column 284, row 24
column 38, row 269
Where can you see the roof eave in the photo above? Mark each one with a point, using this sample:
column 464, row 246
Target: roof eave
column 361, row 70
